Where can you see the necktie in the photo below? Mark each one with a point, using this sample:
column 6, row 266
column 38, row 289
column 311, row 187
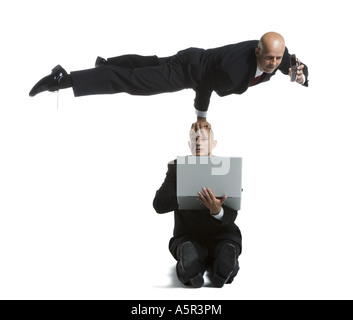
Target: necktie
column 256, row 80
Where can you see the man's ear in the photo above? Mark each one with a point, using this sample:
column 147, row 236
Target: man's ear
column 214, row 143
column 257, row 52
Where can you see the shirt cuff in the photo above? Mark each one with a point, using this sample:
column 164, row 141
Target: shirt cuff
column 202, row 114
column 218, row 216
column 304, row 79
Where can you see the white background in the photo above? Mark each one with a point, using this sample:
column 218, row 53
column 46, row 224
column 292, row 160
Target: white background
column 77, row 183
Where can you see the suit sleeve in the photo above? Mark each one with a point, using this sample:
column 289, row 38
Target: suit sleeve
column 215, row 80
column 165, row 199
column 229, row 216
column 202, row 98
column 285, row 65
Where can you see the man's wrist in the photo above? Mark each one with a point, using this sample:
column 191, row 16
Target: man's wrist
column 201, row 119
column 304, row 79
column 218, row 215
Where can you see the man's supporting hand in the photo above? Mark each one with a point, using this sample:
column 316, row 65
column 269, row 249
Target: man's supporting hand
column 209, row 199
column 201, row 123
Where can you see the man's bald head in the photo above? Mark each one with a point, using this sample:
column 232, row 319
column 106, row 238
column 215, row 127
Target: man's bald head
column 269, row 52
column 272, row 40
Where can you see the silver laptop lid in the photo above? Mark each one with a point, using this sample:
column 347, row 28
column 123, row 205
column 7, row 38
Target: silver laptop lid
column 221, row 174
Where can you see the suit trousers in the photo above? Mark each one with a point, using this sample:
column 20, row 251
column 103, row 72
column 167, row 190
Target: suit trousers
column 133, row 74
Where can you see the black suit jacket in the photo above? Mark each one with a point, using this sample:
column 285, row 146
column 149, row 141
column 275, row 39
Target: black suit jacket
column 226, row 70
column 198, row 224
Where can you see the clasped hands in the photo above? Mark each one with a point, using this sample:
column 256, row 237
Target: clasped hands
column 209, row 199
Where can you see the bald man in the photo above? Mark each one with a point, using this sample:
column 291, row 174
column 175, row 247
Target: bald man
column 230, row 69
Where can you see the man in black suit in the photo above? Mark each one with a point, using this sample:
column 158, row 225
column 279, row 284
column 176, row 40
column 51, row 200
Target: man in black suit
column 225, row 70
column 202, row 239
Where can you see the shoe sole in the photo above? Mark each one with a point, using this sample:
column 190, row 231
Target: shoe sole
column 189, row 264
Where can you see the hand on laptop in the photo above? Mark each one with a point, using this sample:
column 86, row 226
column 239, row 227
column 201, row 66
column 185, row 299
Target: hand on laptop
column 209, row 199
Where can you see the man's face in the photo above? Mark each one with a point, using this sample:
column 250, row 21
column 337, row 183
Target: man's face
column 268, row 59
column 201, row 142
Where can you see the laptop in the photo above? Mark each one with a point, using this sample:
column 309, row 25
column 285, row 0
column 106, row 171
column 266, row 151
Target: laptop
column 221, row 174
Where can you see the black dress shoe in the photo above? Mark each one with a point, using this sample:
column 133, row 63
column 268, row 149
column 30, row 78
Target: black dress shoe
column 225, row 267
column 100, row 62
column 58, row 79
column 188, row 266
